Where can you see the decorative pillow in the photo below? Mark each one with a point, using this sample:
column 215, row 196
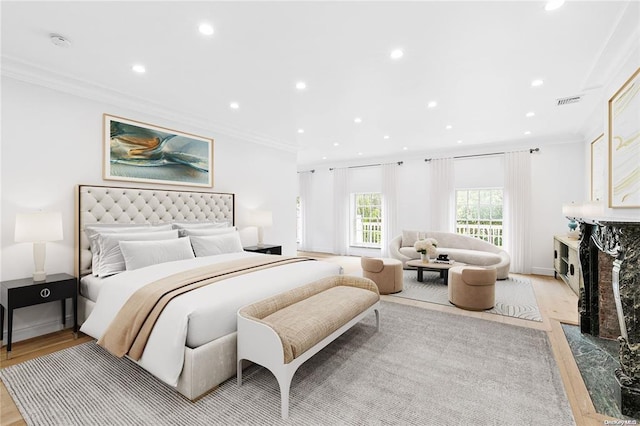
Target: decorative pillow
column 110, row 258
column 138, row 254
column 409, row 238
column 206, row 231
column 217, row 244
column 92, row 232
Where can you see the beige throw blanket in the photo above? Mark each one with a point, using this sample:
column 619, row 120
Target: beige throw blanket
column 130, row 329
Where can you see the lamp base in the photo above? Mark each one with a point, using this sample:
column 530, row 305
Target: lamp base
column 39, row 276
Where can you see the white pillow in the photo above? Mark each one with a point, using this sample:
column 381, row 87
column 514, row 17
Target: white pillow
column 206, row 231
column 138, row 254
column 200, row 225
column 217, row 244
column 110, row 258
column 93, row 230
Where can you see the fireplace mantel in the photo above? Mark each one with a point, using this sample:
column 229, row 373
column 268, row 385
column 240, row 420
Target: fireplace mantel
column 620, row 239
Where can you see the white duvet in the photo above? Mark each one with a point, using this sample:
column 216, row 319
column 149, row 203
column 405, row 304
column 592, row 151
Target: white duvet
column 200, row 316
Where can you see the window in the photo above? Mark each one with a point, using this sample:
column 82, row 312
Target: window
column 479, row 213
column 366, row 219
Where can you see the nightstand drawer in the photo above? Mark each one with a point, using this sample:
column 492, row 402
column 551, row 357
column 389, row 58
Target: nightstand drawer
column 42, row 293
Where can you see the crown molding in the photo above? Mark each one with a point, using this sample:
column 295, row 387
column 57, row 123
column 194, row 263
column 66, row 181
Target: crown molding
column 27, row 72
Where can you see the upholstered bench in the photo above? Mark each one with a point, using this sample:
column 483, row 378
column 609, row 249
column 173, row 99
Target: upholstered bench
column 282, row 332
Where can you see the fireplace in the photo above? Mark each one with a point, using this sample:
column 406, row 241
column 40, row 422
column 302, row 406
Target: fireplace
column 609, row 301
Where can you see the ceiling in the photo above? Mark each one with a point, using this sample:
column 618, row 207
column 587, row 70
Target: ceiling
column 475, row 59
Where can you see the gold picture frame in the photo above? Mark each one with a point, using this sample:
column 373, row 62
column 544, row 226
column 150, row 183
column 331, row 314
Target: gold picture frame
column 624, row 145
column 142, row 152
column 599, row 162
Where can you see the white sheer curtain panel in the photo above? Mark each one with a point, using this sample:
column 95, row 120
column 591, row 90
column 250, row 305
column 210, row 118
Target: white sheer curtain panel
column 304, row 182
column 389, row 206
column 341, row 207
column 441, row 195
column 517, row 210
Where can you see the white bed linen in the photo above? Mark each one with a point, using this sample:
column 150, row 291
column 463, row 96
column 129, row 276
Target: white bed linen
column 90, row 286
column 199, row 316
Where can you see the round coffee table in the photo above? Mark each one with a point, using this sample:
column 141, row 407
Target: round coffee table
column 443, row 268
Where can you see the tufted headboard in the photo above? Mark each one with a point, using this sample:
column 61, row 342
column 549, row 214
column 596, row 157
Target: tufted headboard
column 103, row 204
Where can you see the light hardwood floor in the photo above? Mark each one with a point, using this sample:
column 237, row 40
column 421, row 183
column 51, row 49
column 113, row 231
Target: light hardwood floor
column 557, row 304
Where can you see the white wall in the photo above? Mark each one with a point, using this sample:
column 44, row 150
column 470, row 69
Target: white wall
column 52, row 141
column 557, row 172
column 600, row 125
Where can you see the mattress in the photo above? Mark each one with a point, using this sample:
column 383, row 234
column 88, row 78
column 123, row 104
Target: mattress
column 200, row 316
column 90, row 287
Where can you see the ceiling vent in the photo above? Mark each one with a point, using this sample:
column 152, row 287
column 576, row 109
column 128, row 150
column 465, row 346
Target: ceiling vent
column 568, row 100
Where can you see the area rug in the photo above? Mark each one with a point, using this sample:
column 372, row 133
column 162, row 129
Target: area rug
column 514, row 296
column 422, row 368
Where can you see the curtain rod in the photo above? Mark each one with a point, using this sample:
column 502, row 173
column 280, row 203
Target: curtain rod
column 307, row 171
column 399, row 163
column 531, row 151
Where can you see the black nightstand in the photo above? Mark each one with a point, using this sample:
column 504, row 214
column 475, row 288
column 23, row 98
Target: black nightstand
column 265, row 248
column 25, row 292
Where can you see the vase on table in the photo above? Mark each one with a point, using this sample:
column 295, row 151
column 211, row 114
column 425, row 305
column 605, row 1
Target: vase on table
column 424, row 257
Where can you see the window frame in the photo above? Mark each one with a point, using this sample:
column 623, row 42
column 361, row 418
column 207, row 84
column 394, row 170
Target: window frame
column 353, row 222
column 495, row 238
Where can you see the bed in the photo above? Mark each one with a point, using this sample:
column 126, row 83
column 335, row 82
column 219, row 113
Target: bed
column 193, row 345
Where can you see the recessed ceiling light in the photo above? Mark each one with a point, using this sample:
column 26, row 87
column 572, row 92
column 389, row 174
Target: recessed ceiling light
column 359, row 153
column 357, row 120
column 140, row 69
column 527, row 132
column 59, row 40
column 460, row 141
column 324, row 158
column 336, row 144
column 385, row 137
column 404, row 148
column 537, row 83
column 300, row 131
column 530, row 114
column 397, row 54
column 432, row 104
column 205, row 29
column 449, row 127
column 234, row 105
column 301, row 85
column 553, row 5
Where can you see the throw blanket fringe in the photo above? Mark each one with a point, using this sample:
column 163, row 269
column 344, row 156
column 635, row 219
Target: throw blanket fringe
column 129, row 331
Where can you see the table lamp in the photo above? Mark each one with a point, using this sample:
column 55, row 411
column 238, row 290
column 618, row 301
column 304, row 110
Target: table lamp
column 261, row 219
column 38, row 228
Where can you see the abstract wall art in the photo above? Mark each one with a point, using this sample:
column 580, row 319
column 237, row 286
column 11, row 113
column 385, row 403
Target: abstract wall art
column 624, row 145
column 140, row 152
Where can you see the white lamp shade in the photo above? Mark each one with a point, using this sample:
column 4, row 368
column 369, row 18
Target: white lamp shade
column 262, row 218
column 38, row 227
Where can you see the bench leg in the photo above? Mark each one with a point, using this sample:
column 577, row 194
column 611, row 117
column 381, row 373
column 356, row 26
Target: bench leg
column 284, row 382
column 239, row 372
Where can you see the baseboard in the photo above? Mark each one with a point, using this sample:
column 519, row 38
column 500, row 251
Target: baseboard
column 543, row 271
column 35, row 330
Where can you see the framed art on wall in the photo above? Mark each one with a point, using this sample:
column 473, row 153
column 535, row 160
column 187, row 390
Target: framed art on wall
column 624, row 145
column 140, row 152
column 598, row 168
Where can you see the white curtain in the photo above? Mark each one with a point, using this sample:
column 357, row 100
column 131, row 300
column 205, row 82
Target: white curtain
column 517, row 210
column 304, row 192
column 389, row 205
column 341, row 207
column 441, row 195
